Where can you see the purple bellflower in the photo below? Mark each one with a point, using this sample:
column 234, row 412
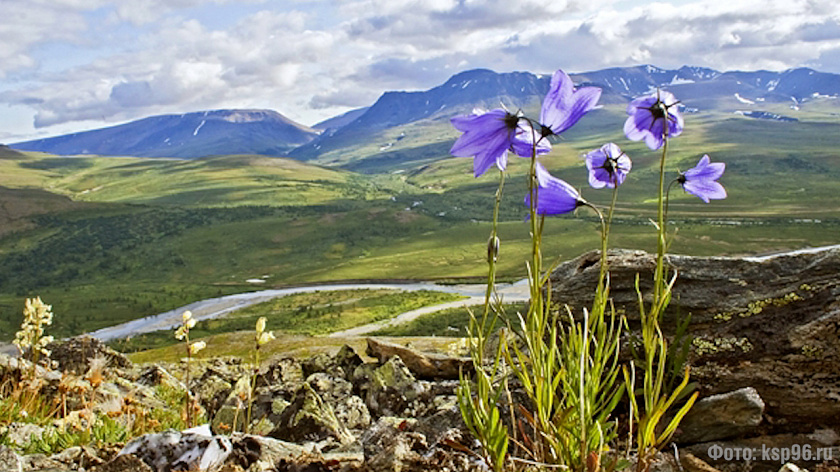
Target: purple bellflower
column 563, row 106
column 608, row 166
column 648, row 117
column 701, row 180
column 554, row 196
column 490, row 135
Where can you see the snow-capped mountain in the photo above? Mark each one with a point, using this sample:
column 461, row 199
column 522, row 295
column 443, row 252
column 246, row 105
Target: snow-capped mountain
column 266, row 132
column 190, row 135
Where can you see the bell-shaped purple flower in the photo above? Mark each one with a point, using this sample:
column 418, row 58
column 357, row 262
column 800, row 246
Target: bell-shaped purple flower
column 490, row 135
column 608, row 166
column 649, row 117
column 554, row 196
column 564, row 106
column 701, row 180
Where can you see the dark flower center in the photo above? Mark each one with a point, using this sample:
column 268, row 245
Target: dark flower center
column 511, row 121
column 681, row 179
column 659, row 110
column 545, row 131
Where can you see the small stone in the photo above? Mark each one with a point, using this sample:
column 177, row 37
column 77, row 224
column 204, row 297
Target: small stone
column 791, row 467
column 692, row 463
column 723, row 416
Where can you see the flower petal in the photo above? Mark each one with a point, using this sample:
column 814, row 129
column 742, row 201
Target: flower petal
column 554, row 196
column 705, row 170
column 705, row 189
column 563, row 106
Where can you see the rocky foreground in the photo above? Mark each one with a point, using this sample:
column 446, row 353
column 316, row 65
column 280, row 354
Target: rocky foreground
column 764, row 356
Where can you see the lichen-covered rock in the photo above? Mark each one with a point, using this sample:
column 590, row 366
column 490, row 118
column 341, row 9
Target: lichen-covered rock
column 155, row 376
column 281, row 372
column 310, row 418
column 722, row 416
column 213, row 388
column 318, row 363
column 390, row 389
column 232, row 415
column 74, row 354
column 348, row 360
column 769, row 323
column 261, row 453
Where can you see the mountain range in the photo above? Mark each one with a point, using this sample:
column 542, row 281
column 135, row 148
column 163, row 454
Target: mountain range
column 186, row 136
column 266, row 132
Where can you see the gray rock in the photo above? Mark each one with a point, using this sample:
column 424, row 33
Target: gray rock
column 762, row 448
column 769, row 323
column 390, row 389
column 213, row 389
column 9, row 460
column 232, row 415
column 261, row 453
column 310, row 418
column 74, row 354
column 705, row 287
column 722, row 416
column 155, row 376
column 315, row 364
column 41, row 463
column 124, row 463
column 283, row 372
column 20, row 434
column 421, row 364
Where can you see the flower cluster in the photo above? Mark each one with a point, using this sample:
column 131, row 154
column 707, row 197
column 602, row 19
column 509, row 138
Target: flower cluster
column 583, row 368
column 183, row 333
column 489, row 136
column 36, row 316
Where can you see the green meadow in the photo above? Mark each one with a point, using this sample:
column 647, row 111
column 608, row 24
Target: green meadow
column 109, row 239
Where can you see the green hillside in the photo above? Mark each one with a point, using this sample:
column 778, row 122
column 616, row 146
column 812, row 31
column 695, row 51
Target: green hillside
column 108, row 239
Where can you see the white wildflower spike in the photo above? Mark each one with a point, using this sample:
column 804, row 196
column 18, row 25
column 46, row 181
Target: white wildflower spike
column 36, row 316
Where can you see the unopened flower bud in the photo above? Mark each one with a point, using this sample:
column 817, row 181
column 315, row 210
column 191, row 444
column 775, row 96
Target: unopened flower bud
column 493, row 249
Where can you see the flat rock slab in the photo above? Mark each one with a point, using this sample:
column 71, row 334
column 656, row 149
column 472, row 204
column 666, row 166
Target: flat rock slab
column 422, row 365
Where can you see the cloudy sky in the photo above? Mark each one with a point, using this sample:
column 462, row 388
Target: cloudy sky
column 70, row 65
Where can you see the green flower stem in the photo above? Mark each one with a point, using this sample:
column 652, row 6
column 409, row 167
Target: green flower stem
column 253, row 388
column 187, row 376
column 492, row 256
column 478, row 398
column 605, row 236
column 659, row 276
